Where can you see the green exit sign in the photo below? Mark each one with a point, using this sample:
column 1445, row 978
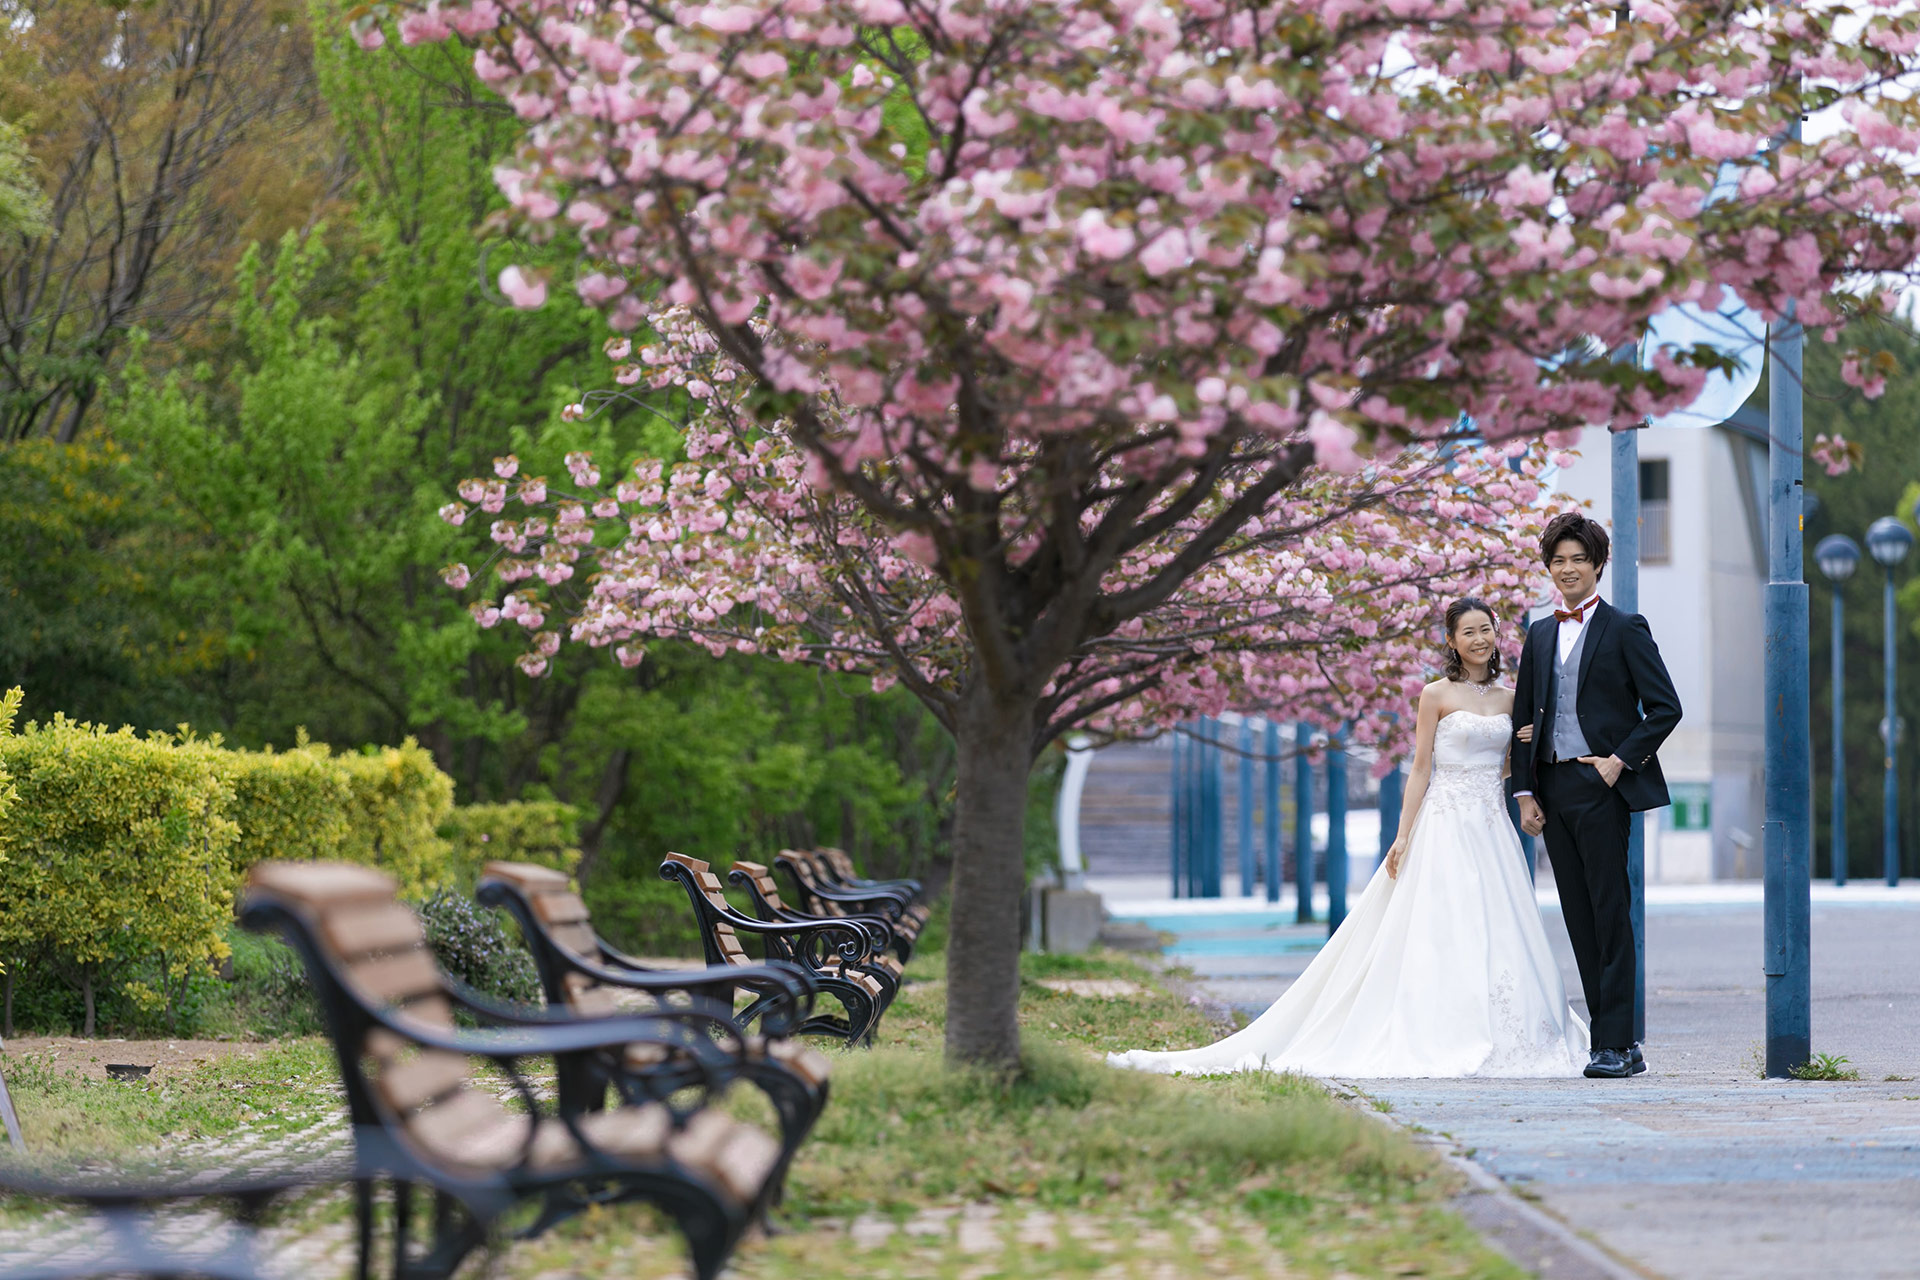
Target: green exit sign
column 1692, row 806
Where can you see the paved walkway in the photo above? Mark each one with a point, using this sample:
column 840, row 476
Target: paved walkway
column 1699, row 1169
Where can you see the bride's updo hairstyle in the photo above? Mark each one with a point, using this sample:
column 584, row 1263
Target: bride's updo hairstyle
column 1456, row 669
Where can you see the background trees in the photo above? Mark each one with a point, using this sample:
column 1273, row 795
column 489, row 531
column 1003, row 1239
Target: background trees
column 1887, row 484
column 240, row 534
column 167, row 136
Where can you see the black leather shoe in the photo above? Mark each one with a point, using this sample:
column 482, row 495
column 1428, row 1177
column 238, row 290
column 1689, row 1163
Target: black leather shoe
column 1610, row 1064
column 1638, row 1060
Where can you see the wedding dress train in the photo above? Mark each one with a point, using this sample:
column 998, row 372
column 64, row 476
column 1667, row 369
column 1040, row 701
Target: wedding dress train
column 1443, row 972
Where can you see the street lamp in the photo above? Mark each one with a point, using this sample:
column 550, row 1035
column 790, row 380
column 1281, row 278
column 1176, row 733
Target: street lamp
column 1888, row 543
column 1838, row 556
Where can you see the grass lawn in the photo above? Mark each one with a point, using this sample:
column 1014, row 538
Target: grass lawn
column 916, row 1170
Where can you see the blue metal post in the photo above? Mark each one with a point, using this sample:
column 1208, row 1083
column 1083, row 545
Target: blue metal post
column 1271, row 805
column 1216, row 824
column 1303, row 823
column 1890, row 788
column 1245, row 796
column 1203, row 812
column 1178, row 834
column 1392, row 792
column 1788, row 829
column 1625, row 564
column 1839, row 824
column 1336, row 833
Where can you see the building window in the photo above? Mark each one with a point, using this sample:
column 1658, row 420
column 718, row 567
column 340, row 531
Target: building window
column 1656, row 524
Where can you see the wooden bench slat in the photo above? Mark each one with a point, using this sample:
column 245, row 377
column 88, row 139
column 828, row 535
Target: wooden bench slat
column 808, row 1062
column 556, row 907
column 359, row 931
column 738, row 1156
column 577, row 938
column 426, row 1077
column 529, row 877
column 588, row 998
column 395, row 978
column 470, row 1129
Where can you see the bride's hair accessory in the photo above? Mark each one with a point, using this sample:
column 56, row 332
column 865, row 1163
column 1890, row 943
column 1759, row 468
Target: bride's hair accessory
column 1456, row 669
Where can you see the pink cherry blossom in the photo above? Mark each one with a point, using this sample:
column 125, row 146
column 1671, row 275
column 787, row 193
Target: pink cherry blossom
column 523, row 291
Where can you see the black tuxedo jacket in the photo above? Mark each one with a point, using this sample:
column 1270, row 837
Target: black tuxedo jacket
column 1627, row 704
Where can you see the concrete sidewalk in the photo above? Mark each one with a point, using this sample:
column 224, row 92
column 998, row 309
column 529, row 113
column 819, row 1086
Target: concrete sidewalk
column 1699, row 1169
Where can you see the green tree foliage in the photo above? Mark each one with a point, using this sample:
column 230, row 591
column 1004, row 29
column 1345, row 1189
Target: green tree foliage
column 87, row 621
column 1885, row 485
column 23, row 205
column 741, row 758
column 246, row 542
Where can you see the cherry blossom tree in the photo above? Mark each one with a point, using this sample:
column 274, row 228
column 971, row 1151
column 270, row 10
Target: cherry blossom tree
column 1080, row 358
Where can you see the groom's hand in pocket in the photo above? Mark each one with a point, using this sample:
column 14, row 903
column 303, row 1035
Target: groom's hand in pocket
column 1532, row 820
column 1608, row 767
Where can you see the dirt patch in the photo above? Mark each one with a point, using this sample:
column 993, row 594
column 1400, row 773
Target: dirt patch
column 71, row 1055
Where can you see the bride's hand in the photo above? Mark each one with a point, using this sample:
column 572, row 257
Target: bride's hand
column 1524, row 733
column 1395, row 857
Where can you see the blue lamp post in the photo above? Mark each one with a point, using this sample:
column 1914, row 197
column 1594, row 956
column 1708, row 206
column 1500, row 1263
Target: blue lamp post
column 1838, row 556
column 1888, row 543
column 1303, row 824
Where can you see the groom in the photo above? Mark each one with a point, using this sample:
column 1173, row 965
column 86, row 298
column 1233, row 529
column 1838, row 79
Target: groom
column 1600, row 704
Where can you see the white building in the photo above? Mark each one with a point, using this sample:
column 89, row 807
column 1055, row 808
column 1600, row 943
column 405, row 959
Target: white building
column 1703, row 573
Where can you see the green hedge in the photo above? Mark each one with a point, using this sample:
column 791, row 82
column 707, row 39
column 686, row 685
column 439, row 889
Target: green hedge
column 544, row 832
column 290, row 805
column 119, row 850
column 396, row 800
column 120, row 854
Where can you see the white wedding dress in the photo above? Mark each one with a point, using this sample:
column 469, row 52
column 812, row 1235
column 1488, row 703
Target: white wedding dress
column 1442, row 972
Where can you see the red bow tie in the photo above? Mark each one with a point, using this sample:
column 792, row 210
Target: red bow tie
column 1571, row 615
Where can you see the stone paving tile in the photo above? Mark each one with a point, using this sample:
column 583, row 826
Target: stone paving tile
column 1700, row 1170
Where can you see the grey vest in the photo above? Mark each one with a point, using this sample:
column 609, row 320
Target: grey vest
column 1568, row 742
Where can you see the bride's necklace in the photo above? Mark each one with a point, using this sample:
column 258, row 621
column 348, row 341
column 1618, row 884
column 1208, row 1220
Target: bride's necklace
column 1482, row 689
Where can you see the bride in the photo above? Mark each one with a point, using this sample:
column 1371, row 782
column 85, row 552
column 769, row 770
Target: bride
column 1442, row 968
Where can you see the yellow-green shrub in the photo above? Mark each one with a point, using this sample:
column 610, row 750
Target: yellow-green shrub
column 288, row 804
column 545, row 832
column 120, row 849
column 9, row 708
column 397, row 799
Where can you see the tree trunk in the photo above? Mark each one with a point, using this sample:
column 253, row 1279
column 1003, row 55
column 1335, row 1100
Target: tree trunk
column 6, row 1018
column 86, row 993
column 994, row 739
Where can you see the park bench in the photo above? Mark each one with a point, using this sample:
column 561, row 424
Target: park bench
column 820, row 890
column 580, row 973
column 837, row 865
column 757, row 882
column 130, row 1234
column 421, row 1116
column 838, row 954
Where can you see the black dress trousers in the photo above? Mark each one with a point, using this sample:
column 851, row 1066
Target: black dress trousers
column 1587, row 827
